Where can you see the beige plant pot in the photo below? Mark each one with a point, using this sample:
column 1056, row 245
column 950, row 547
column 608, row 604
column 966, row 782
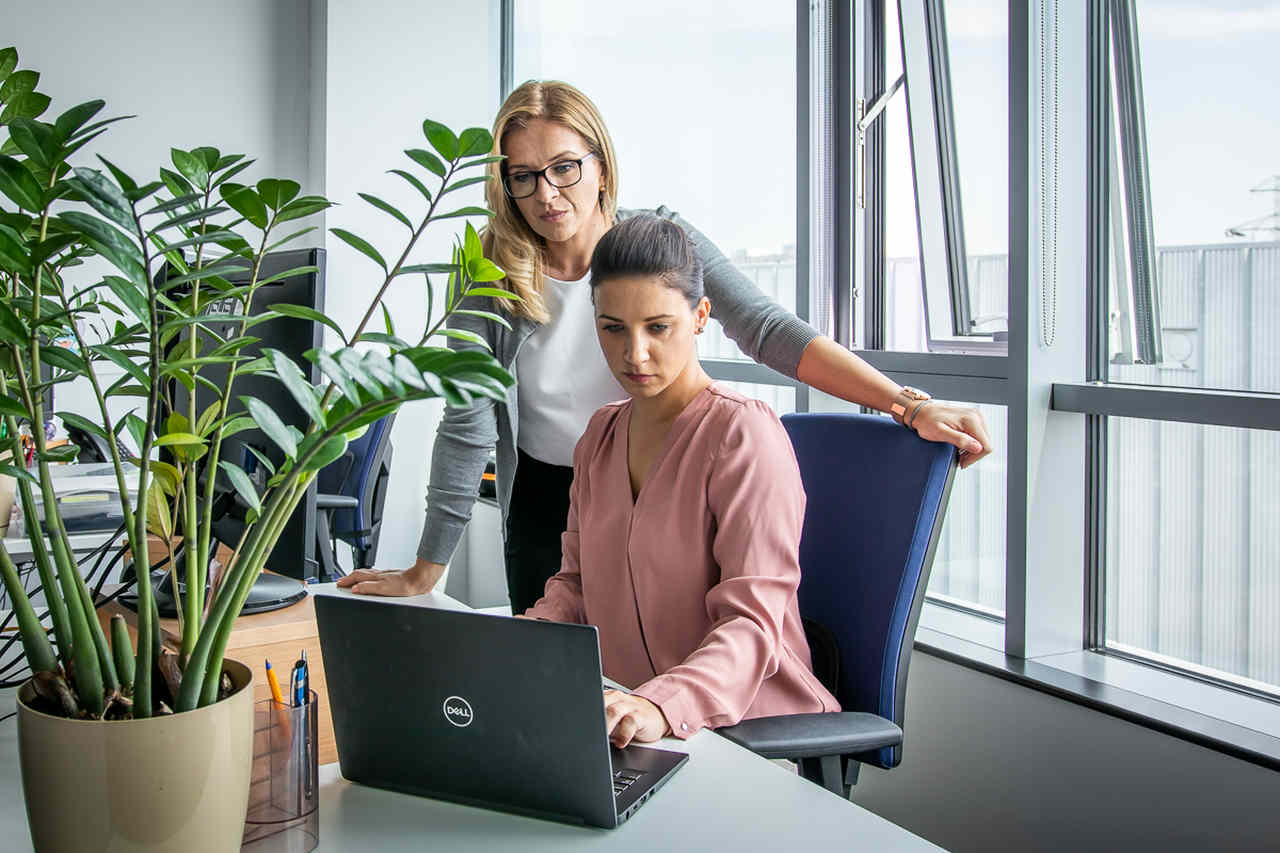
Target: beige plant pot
column 173, row 783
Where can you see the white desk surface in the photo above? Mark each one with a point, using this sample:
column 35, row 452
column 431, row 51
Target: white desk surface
column 724, row 798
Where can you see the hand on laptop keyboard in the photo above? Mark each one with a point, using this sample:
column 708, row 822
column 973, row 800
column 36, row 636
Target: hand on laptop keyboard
column 630, row 717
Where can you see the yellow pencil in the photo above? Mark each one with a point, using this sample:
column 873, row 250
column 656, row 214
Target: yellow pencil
column 275, row 685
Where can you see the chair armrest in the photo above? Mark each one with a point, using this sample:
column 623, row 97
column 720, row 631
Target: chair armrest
column 324, row 501
column 812, row 735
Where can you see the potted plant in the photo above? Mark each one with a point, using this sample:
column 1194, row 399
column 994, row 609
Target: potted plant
column 157, row 745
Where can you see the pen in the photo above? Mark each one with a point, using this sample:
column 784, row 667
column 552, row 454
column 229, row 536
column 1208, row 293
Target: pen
column 299, row 681
column 274, row 684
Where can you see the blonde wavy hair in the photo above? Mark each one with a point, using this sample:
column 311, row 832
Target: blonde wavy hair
column 508, row 240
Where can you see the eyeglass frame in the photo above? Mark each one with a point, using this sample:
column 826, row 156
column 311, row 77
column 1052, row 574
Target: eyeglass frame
column 542, row 173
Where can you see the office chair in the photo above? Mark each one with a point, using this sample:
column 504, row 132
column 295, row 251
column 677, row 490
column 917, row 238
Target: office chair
column 876, row 496
column 350, row 498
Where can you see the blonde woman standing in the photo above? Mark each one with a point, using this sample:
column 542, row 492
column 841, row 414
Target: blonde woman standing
column 555, row 195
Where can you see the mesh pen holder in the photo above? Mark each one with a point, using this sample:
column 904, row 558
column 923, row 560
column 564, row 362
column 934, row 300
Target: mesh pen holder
column 284, row 795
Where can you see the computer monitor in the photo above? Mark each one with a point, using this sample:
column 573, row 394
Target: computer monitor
column 295, row 552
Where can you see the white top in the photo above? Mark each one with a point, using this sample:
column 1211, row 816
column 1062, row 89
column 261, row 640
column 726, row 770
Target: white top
column 562, row 374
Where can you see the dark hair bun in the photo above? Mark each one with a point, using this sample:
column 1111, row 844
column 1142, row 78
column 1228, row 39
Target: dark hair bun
column 649, row 245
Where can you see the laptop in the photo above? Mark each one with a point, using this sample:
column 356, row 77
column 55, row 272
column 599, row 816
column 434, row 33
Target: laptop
column 485, row 710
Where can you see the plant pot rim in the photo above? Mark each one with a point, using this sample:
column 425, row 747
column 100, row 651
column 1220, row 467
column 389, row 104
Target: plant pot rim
column 228, row 664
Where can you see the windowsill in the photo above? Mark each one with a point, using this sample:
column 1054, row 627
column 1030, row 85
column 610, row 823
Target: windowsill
column 1218, row 718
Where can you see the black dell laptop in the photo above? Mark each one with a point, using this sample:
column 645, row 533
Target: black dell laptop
column 484, row 710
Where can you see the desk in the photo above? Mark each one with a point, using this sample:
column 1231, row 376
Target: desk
column 724, row 798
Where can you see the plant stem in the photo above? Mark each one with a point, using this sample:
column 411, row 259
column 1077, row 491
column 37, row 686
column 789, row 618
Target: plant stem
column 35, row 642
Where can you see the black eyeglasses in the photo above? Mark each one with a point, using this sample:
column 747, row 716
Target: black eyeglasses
column 561, row 174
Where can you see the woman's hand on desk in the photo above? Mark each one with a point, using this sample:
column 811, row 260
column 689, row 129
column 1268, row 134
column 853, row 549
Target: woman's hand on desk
column 418, row 579
column 629, row 718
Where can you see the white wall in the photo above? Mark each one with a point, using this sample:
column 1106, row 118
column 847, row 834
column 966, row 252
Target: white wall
column 991, row 765
column 236, row 75
column 390, row 65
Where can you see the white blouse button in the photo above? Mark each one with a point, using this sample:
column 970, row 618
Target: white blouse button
column 684, row 727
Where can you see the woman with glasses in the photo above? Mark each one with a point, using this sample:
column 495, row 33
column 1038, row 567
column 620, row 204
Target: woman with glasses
column 555, row 195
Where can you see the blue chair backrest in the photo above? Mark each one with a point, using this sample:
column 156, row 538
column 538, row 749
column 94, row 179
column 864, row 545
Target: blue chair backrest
column 349, row 476
column 876, row 494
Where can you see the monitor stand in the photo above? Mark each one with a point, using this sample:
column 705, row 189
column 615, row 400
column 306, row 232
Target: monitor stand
column 269, row 592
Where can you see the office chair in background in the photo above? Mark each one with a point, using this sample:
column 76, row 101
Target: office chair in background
column 876, row 496
column 350, row 498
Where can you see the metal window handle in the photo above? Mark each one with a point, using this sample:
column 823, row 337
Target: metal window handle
column 867, row 117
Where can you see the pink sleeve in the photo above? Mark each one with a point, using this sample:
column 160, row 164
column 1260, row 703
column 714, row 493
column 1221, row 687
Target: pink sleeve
column 562, row 597
column 757, row 500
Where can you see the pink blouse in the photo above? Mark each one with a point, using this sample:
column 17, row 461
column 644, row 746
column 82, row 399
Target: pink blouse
column 693, row 583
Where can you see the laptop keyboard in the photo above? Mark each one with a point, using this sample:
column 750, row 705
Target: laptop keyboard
column 624, row 779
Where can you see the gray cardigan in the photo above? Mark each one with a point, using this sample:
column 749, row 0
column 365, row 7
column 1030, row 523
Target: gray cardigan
column 763, row 330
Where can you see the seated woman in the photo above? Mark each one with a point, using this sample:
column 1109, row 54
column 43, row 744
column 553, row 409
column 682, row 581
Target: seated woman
column 685, row 515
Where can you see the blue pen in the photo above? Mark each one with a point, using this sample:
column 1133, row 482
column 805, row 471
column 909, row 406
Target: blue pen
column 300, row 682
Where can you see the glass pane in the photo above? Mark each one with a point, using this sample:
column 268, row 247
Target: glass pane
column 970, row 562
column 977, row 47
column 695, row 126
column 1193, row 550
column 1215, row 199
column 977, row 52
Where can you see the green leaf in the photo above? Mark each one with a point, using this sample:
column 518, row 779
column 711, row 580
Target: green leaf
column 8, row 62
column 471, row 248
column 355, row 368
column 464, row 335
column 137, row 429
column 180, row 200
column 303, row 312
column 483, row 161
column 467, row 211
column 427, row 268
column 72, row 419
column 10, row 406
column 475, row 141
column 379, row 338
column 191, row 167
column 17, row 182
column 304, row 206
column 246, row 202
column 337, row 375
column 121, row 360
column 73, row 119
column 29, row 105
column 133, row 298
column 407, row 373
column 295, row 235
column 386, row 320
column 18, row 83
column 63, row 359
column 262, row 458
column 12, row 329
column 243, row 485
column 35, row 139
column 13, row 254
column 61, row 453
column 288, row 372
column 488, row 315
column 108, row 242
column 483, row 269
column 232, row 172
column 441, row 139
column 495, row 292
column 126, row 182
column 331, row 450
column 465, row 182
column 269, row 422
column 379, row 367
column 180, row 439
column 178, row 185
column 104, row 196
column 414, row 182
column 359, row 243
column 14, row 471
column 387, row 208
column 276, row 192
column 209, row 157
column 427, row 160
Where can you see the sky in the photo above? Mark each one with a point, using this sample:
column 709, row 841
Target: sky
column 700, row 100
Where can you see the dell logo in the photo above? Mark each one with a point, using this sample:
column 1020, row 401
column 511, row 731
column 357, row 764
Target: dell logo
column 457, row 711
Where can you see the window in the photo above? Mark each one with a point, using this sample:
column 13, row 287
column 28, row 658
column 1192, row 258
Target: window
column 1193, row 548
column 1195, row 81
column 969, row 567
column 946, row 165
column 700, row 100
